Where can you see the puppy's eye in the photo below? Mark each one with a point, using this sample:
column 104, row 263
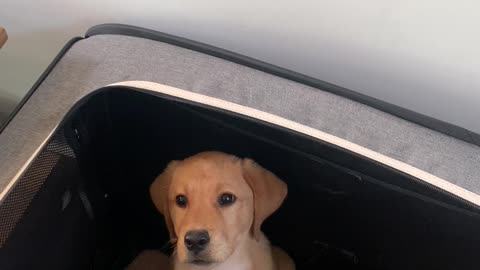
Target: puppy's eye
column 226, row 199
column 181, row 201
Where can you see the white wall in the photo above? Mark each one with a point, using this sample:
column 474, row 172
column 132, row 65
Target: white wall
column 420, row 54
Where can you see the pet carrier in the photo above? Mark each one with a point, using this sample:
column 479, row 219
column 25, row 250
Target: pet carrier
column 371, row 185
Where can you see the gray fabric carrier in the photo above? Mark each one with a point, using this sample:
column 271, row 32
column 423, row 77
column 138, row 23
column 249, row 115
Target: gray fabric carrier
column 97, row 61
column 370, row 186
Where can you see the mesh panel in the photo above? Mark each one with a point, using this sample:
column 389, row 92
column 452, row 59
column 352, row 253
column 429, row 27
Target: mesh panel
column 18, row 200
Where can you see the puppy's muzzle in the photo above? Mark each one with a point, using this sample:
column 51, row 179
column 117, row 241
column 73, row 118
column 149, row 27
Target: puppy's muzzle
column 196, row 241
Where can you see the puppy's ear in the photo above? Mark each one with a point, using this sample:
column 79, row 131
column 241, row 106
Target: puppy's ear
column 159, row 194
column 268, row 193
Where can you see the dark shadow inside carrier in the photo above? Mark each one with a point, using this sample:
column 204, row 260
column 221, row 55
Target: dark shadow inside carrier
column 342, row 211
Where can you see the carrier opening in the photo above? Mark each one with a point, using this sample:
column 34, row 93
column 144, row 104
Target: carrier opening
column 93, row 209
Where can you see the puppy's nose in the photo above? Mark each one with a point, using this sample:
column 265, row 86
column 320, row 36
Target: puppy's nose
column 196, row 240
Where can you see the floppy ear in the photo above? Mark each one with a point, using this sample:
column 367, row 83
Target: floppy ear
column 268, row 193
column 159, row 194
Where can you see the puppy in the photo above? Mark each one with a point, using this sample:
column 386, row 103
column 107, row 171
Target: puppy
column 214, row 205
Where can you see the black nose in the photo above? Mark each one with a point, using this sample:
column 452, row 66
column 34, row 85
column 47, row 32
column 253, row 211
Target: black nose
column 196, row 240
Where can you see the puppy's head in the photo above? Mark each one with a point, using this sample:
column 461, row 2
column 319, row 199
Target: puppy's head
column 212, row 202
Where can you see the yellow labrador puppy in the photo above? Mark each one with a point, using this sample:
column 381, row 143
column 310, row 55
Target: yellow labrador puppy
column 214, row 205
